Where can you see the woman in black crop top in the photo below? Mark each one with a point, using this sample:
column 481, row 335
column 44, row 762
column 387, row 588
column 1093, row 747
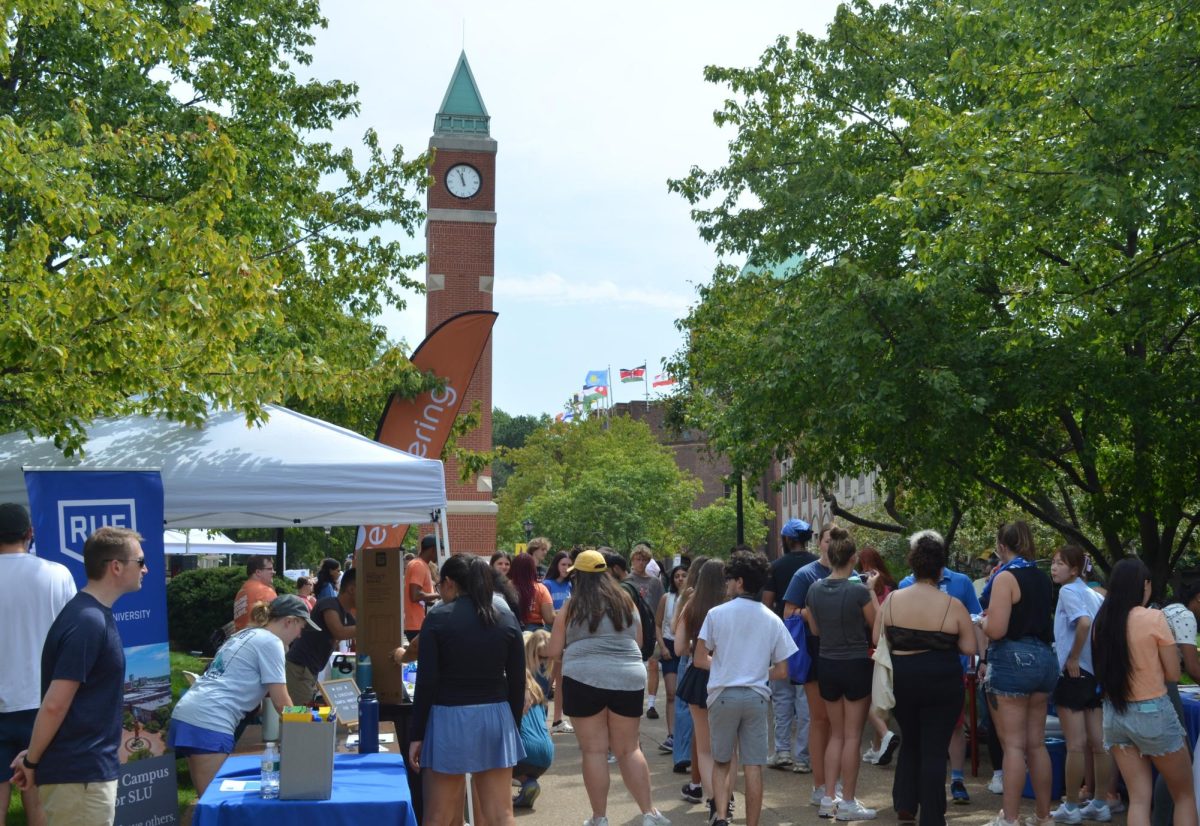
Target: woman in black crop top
column 1021, row 669
column 470, row 697
column 926, row 631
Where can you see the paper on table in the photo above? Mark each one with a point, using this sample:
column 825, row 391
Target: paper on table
column 228, row 785
column 384, row 737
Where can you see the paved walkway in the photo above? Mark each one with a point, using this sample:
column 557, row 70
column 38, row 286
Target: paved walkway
column 563, row 801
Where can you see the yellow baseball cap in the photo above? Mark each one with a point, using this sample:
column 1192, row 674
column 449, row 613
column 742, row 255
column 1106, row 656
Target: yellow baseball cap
column 590, row 562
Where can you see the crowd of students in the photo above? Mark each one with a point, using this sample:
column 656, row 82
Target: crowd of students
column 822, row 644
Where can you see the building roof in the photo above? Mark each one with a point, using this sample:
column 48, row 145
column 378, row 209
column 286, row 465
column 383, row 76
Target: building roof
column 462, row 111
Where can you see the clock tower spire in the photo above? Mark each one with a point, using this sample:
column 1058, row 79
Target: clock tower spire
column 460, row 238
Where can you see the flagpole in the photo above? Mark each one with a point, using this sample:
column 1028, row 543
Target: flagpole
column 646, row 380
column 611, row 392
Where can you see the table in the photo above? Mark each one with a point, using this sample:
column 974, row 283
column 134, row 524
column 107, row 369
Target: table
column 251, row 741
column 1191, row 712
column 367, row 788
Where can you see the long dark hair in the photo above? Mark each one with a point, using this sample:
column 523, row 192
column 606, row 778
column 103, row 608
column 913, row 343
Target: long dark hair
column 671, row 580
column 523, row 575
column 325, row 575
column 473, row 577
column 552, row 571
column 593, row 596
column 1110, row 645
column 710, row 592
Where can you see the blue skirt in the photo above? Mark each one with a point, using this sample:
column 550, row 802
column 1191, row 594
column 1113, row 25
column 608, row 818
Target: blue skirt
column 461, row 739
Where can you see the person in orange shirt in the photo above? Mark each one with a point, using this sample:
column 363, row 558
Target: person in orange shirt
column 418, row 586
column 257, row 588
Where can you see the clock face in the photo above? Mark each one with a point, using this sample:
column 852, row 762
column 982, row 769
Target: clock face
column 462, row 180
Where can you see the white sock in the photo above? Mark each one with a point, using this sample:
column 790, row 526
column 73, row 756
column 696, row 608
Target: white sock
column 998, row 774
column 650, row 702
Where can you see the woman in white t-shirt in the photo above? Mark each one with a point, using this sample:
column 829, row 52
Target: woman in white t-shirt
column 248, row 666
column 1077, row 695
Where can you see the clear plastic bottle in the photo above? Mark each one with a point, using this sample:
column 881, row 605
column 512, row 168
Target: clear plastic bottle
column 269, row 786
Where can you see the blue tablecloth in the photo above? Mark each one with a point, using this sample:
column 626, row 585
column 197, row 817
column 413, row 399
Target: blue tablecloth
column 1191, row 714
column 367, row 789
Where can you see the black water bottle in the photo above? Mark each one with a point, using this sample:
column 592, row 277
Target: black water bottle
column 368, row 722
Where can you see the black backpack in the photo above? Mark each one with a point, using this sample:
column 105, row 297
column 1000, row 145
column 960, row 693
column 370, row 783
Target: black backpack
column 646, row 616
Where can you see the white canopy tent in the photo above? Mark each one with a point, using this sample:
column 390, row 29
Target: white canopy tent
column 195, row 541
column 291, row 471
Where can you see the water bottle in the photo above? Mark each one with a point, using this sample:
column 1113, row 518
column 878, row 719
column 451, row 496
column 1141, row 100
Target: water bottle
column 363, row 675
column 269, row 785
column 368, row 722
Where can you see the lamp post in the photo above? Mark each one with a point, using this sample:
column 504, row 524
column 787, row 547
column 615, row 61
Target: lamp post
column 528, row 526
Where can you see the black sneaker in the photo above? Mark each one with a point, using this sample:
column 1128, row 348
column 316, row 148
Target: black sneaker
column 692, row 792
column 652, row 713
column 683, row 767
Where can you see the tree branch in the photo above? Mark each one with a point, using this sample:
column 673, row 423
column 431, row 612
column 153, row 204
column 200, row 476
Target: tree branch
column 1026, row 504
column 838, row 510
column 955, row 518
column 1193, row 521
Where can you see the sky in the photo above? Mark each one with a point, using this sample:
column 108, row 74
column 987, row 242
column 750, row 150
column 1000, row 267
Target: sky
column 594, row 108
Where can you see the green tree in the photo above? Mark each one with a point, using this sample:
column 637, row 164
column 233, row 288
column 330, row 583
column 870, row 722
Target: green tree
column 998, row 291
column 173, row 231
column 712, row 530
column 510, row 432
column 599, row 482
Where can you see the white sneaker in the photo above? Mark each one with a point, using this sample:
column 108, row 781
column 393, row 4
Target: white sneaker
column 801, row 766
column 1096, row 810
column 854, row 810
column 818, row 794
column 996, row 784
column 870, row 755
column 562, row 727
column 829, row 806
column 1034, row 820
column 780, row 760
column 887, row 748
column 1067, row 813
column 655, row 818
column 599, row 820
column 999, row 820
column 1116, row 807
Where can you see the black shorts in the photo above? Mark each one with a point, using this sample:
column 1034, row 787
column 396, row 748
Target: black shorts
column 845, row 679
column 583, row 700
column 1077, row 693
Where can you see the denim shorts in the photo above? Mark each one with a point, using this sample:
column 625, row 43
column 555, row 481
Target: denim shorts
column 1018, row 668
column 1150, row 726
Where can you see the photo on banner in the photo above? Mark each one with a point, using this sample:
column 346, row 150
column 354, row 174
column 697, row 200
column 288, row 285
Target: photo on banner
column 67, row 506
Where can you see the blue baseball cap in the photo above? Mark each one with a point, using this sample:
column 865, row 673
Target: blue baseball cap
column 796, row 528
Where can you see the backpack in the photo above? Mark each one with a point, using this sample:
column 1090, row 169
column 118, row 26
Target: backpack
column 800, row 663
column 646, row 616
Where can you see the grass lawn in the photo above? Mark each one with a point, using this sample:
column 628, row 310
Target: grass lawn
column 187, row 793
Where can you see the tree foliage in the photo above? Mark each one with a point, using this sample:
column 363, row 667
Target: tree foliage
column 598, row 482
column 712, row 530
column 510, row 432
column 173, row 233
column 998, row 293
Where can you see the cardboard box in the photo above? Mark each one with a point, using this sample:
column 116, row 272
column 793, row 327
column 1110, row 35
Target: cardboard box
column 380, row 582
column 306, row 760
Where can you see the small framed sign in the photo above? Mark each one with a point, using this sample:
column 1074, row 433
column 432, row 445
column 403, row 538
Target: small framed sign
column 342, row 695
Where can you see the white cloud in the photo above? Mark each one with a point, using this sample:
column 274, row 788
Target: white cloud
column 552, row 288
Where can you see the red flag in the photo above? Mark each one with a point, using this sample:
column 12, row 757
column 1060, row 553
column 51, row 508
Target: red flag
column 421, row 425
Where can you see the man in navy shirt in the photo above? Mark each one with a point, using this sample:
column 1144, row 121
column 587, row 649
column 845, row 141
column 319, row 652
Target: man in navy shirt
column 72, row 755
column 962, row 589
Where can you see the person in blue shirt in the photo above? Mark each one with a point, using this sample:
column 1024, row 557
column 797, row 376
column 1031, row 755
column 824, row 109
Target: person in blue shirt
column 961, row 588
column 818, row 724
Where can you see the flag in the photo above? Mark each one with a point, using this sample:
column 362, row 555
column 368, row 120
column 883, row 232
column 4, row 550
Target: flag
column 633, row 373
column 596, row 392
column 662, row 380
column 596, row 378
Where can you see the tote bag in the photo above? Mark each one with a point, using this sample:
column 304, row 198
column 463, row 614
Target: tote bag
column 800, row 663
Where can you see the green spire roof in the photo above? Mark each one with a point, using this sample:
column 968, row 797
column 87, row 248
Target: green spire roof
column 462, row 110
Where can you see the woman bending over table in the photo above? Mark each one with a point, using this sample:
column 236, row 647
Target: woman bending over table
column 247, row 666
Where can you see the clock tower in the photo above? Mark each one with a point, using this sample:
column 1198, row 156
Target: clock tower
column 460, row 243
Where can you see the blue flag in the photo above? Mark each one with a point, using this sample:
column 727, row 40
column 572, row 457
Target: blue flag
column 596, row 378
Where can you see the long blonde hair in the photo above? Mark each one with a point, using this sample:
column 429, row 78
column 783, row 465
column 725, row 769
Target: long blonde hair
column 535, row 644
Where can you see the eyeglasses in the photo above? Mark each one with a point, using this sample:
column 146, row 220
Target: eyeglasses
column 140, row 561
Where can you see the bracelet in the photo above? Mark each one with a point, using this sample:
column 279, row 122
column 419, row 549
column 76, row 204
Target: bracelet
column 25, row 761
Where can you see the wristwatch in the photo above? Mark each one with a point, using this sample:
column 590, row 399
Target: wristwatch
column 27, row 763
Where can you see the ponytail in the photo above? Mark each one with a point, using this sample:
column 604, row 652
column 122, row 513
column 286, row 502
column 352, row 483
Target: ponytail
column 260, row 614
column 473, row 577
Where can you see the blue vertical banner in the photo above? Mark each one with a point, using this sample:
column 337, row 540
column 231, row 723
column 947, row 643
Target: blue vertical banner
column 67, row 506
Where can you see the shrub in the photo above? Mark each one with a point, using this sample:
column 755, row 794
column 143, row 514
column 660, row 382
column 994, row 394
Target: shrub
column 200, row 601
